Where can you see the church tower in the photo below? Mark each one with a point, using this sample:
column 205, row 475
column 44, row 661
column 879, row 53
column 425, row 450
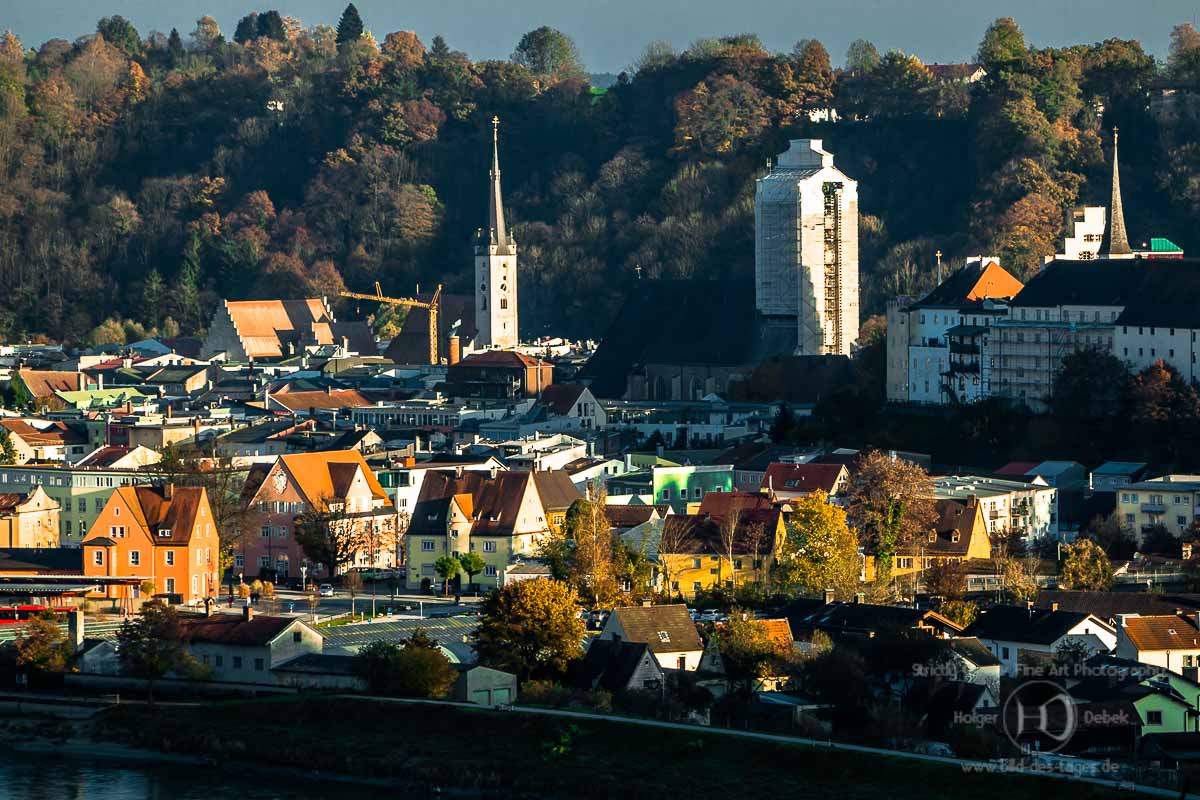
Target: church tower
column 1118, row 241
column 495, row 268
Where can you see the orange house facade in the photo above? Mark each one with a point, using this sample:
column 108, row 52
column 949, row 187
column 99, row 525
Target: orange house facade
column 163, row 535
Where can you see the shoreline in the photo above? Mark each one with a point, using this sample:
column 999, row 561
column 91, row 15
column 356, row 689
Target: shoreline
column 83, row 748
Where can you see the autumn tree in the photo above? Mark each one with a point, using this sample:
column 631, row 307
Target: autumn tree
column 1085, row 567
column 1184, row 57
column 946, row 579
column 890, row 501
column 1019, row 584
column 747, row 652
column 43, row 647
column 550, row 52
column 150, row 645
column 719, row 116
column 531, row 628
column 329, row 534
column 412, row 668
column 1159, row 394
column 593, row 552
column 820, row 550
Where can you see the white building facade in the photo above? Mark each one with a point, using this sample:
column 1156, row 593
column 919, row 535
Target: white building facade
column 806, row 250
column 495, row 268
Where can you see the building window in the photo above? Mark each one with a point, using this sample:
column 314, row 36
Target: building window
column 170, row 557
column 695, row 563
column 237, row 662
column 296, row 636
column 265, row 532
column 695, row 587
column 98, row 557
column 426, row 545
column 135, row 558
column 489, row 571
column 116, row 531
column 489, row 547
column 220, row 661
column 1154, row 718
column 259, row 666
column 1004, row 653
column 170, row 587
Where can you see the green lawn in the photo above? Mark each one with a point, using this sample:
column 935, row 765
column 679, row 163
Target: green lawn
column 511, row 755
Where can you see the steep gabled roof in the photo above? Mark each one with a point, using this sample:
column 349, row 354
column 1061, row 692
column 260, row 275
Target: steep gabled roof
column 1031, row 626
column 556, row 489
column 43, row 383
column 560, row 398
column 700, row 534
column 647, row 624
column 802, row 477
column 952, row 532
column 974, row 281
column 155, row 513
column 1164, row 632
column 229, row 629
column 495, row 501
column 610, row 664
column 266, row 327
column 323, row 474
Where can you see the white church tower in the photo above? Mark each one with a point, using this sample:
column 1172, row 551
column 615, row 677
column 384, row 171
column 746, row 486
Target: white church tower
column 495, row 268
column 806, row 251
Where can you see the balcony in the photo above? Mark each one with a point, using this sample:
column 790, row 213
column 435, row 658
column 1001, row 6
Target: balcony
column 964, row 347
column 1153, row 508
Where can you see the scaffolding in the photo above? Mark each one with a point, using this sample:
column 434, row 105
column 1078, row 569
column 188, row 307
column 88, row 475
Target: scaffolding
column 833, row 328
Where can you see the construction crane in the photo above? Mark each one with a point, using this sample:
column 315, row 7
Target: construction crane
column 411, row 302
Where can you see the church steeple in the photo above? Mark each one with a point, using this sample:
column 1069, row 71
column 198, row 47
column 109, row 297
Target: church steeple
column 1118, row 241
column 498, row 234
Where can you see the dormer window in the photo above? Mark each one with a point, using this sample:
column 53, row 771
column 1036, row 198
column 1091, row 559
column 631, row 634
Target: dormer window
column 954, row 537
column 164, row 533
column 663, row 636
column 933, row 536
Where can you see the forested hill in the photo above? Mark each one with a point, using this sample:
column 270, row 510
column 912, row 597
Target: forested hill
column 146, row 176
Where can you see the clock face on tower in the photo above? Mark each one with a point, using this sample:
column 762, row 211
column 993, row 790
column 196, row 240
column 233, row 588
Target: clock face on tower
column 280, row 482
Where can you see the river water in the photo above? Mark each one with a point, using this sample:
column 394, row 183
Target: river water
column 47, row 777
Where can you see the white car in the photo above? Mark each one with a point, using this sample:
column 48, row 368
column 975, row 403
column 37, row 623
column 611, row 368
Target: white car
column 325, row 590
column 711, row 615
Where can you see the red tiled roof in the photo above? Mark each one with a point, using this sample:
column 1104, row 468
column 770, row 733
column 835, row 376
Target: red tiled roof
column 1165, row 632
column 561, row 397
column 57, row 433
column 719, row 505
column 500, row 358
column 234, row 630
column 802, row 477
column 44, row 383
column 335, row 399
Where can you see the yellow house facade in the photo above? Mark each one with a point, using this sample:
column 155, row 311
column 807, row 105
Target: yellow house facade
column 960, row 534
column 693, row 557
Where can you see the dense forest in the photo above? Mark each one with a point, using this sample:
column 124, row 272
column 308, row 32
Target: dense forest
column 144, row 177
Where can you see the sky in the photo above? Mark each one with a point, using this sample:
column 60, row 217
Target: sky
column 611, row 33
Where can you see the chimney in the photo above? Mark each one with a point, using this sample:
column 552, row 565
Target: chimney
column 170, row 411
column 458, row 471
column 455, row 350
column 75, row 629
column 100, row 380
column 247, row 613
column 494, row 471
column 328, row 389
column 195, row 428
column 168, row 491
column 860, row 597
column 827, row 599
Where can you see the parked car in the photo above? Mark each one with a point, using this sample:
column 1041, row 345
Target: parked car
column 325, row 590
column 711, row 615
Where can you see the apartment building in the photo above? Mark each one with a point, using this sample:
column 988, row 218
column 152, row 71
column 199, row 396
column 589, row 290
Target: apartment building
column 1025, row 507
column 80, row 492
column 1172, row 501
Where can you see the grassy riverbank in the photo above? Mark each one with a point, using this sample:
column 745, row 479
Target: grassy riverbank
column 500, row 754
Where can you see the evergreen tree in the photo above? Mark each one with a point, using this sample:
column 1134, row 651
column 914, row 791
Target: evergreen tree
column 270, row 26
column 350, row 26
column 153, row 294
column 438, row 49
column 247, row 28
column 175, row 46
